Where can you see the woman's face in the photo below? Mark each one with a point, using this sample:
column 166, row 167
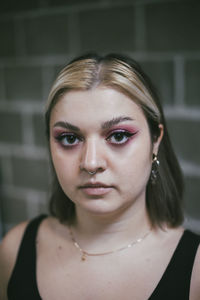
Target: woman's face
column 101, row 131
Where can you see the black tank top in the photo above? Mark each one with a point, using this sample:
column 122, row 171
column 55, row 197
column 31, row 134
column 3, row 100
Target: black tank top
column 174, row 284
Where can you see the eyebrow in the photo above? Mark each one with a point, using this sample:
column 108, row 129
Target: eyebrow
column 105, row 125
column 67, row 125
column 115, row 121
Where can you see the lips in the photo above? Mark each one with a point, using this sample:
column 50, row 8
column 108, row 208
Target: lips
column 96, row 189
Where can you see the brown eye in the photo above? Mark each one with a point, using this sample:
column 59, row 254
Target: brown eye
column 68, row 139
column 119, row 137
column 71, row 139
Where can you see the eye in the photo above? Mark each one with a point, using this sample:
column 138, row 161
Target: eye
column 120, row 137
column 68, row 139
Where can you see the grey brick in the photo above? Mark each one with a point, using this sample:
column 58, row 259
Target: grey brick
column 43, row 207
column 161, row 74
column 186, row 139
column 30, row 173
column 14, row 210
column 10, row 124
column 110, row 29
column 49, row 76
column 173, row 26
column 17, row 6
column 2, row 88
column 2, row 173
column 192, row 82
column 192, row 192
column 5, row 171
column 46, row 35
column 39, row 130
column 23, row 83
column 7, row 38
column 58, row 68
column 70, row 2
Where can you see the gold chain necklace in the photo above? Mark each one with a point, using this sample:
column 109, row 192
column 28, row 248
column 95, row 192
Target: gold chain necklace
column 84, row 253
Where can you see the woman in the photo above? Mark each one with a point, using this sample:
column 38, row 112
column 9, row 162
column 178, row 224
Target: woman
column 115, row 226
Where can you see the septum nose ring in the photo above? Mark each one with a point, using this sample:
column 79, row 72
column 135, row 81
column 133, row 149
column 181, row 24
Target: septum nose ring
column 91, row 173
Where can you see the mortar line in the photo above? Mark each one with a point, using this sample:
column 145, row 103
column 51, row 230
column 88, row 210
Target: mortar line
column 140, row 28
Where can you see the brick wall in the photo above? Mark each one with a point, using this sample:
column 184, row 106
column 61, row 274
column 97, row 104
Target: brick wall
column 38, row 37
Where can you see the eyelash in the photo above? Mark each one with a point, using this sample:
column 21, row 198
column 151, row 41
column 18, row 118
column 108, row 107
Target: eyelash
column 76, row 139
column 61, row 137
column 124, row 134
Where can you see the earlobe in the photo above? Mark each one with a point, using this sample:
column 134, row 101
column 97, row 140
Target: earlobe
column 159, row 139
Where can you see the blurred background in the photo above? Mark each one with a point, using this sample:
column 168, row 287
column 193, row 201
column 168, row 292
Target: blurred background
column 38, row 37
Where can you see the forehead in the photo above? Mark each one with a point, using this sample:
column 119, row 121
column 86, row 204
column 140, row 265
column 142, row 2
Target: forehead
column 96, row 105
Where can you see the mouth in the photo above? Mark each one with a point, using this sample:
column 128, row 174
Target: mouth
column 96, row 189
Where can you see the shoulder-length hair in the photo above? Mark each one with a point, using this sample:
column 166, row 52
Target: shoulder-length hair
column 163, row 197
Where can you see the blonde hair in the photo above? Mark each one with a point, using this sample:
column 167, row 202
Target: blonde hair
column 88, row 73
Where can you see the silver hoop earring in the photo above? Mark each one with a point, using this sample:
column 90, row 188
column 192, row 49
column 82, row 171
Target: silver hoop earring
column 155, row 169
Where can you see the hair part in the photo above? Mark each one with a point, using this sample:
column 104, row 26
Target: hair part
column 164, row 197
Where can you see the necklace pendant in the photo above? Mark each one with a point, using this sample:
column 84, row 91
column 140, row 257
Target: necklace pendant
column 83, row 257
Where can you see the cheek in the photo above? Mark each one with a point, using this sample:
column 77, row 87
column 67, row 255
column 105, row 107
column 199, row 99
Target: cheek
column 63, row 165
column 134, row 177
column 136, row 163
column 136, row 170
column 64, row 173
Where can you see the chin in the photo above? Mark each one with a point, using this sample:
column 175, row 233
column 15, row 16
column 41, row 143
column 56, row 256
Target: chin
column 96, row 206
column 101, row 208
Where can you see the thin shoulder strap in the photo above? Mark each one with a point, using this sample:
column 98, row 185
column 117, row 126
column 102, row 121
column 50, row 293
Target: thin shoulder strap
column 22, row 284
column 175, row 282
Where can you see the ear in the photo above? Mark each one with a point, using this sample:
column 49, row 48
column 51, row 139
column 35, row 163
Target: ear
column 156, row 144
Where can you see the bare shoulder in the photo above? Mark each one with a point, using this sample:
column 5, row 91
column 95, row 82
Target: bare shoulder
column 8, row 252
column 52, row 231
column 195, row 282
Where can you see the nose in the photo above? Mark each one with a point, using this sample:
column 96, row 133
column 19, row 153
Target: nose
column 93, row 157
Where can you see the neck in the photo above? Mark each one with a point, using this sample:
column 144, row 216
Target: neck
column 99, row 233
